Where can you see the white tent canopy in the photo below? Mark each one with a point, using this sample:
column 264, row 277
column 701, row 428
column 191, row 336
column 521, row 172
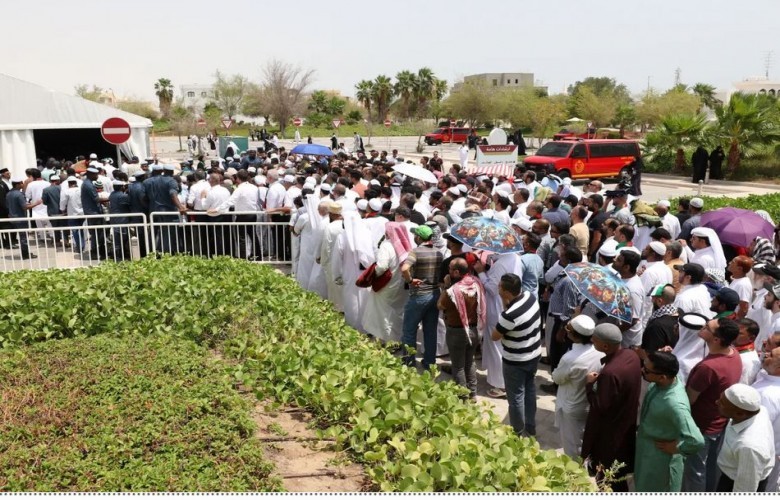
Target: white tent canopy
column 25, row 107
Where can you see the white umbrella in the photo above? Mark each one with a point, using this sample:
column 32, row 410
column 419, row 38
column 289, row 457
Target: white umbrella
column 416, row 172
column 574, row 120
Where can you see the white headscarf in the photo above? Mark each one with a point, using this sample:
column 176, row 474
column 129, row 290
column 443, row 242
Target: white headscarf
column 717, row 248
column 358, row 238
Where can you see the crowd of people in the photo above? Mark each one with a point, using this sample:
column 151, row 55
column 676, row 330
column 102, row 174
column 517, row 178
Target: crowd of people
column 685, row 395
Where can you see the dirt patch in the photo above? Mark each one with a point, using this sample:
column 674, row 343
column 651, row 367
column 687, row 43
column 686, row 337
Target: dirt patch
column 303, row 462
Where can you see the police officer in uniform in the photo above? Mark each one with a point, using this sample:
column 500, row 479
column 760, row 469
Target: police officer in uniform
column 92, row 205
column 162, row 191
column 119, row 203
column 139, row 205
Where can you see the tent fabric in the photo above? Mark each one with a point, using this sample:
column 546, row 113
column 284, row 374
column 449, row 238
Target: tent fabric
column 27, row 107
column 17, row 150
column 30, row 106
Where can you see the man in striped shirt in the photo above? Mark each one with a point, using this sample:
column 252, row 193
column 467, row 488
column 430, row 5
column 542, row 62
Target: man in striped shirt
column 519, row 329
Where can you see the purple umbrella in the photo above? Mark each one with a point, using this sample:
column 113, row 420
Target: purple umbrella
column 736, row 226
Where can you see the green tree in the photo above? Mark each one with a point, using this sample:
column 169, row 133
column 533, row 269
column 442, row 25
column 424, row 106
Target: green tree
column 475, row 102
column 229, row 93
column 93, row 94
column 318, row 101
column 653, row 108
column 675, row 133
column 424, row 90
column 625, row 116
column 546, row 114
column 353, row 117
column 602, row 86
column 163, row 89
column 335, row 106
column 747, row 122
column 382, row 94
column 364, row 89
column 706, row 94
column 404, row 88
column 139, row 108
column 600, row 109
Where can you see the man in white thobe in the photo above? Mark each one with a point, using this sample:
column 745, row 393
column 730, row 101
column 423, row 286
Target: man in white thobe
column 491, row 349
column 329, row 239
column 693, row 298
column 656, row 273
column 463, row 153
column 352, row 250
column 669, row 221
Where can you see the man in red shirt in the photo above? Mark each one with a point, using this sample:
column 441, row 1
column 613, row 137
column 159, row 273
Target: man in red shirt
column 714, row 374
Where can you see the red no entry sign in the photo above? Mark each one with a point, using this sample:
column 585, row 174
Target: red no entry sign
column 297, row 122
column 115, row 131
column 388, row 123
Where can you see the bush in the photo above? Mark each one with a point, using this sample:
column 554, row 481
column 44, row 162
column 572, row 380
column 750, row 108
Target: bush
column 412, row 432
column 768, row 202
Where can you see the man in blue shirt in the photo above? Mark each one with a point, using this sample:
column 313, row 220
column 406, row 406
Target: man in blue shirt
column 17, row 209
column 119, row 203
column 92, row 205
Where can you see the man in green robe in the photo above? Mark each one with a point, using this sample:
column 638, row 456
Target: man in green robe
column 667, row 432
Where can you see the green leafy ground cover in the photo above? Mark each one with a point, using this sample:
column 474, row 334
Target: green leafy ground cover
column 412, row 432
column 768, row 202
column 124, row 414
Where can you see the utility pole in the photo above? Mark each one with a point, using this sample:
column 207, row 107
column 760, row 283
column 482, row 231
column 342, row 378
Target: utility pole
column 677, row 74
column 767, row 63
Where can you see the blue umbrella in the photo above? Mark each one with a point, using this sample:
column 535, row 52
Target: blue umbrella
column 487, row 233
column 603, row 288
column 311, row 149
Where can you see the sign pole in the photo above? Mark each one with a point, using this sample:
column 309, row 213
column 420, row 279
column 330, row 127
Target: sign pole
column 118, row 157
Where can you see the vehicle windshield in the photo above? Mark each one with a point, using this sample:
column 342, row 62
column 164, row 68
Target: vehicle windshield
column 555, row 149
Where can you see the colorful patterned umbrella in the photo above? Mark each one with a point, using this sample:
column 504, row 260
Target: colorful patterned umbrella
column 603, row 288
column 487, row 233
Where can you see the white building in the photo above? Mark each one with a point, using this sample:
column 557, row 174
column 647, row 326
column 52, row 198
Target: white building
column 197, row 96
column 751, row 85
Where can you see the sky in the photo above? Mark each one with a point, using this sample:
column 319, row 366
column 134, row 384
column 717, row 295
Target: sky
column 127, row 46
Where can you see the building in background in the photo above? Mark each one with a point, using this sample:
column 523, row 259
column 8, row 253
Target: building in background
column 502, row 80
column 197, row 96
column 751, row 85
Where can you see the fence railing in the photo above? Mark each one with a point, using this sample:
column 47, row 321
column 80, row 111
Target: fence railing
column 86, row 240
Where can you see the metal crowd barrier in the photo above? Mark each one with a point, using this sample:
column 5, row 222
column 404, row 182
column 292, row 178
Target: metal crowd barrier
column 68, row 242
column 242, row 235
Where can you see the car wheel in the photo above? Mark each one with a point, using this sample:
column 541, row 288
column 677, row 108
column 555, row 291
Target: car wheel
column 563, row 174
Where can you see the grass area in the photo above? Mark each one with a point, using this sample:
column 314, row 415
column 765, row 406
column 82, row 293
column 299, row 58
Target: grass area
column 124, row 414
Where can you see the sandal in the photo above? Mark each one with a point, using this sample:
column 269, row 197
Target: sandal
column 496, row 393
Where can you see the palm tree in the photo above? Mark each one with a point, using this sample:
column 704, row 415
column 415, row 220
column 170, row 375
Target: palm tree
column 318, row 101
column 364, row 90
column 404, row 87
column 706, row 94
column 748, row 121
column 164, row 92
column 440, row 89
column 674, row 134
column 382, row 93
column 425, row 89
